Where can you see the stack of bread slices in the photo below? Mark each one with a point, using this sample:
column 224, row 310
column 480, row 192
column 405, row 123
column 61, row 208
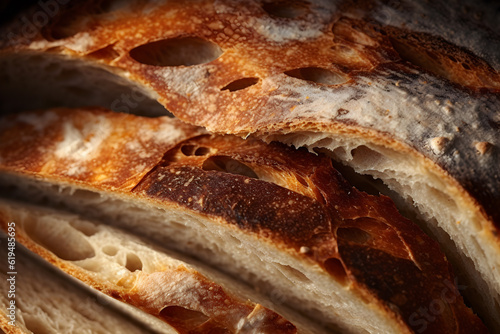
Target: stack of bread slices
column 253, row 166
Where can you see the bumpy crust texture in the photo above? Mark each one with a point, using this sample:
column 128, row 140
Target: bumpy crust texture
column 293, row 199
column 402, row 74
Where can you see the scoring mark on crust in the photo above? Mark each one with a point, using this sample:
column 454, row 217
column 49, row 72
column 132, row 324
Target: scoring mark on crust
column 336, row 269
column 190, row 150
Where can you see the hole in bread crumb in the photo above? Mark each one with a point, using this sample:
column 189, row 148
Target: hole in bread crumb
column 189, row 150
column 185, row 51
column 236, row 242
column 241, row 84
column 353, row 234
column 293, row 274
column 285, row 9
column 59, row 238
column 177, row 226
column 417, row 56
column 34, row 324
column 200, row 151
column 87, row 195
column 183, row 319
column 110, row 250
column 86, row 228
column 228, row 165
column 366, row 157
column 318, row 75
column 364, row 183
column 335, row 268
column 133, row 262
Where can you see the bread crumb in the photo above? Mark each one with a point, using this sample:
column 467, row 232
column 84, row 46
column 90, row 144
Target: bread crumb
column 482, row 147
column 304, row 250
column 448, row 110
column 438, row 144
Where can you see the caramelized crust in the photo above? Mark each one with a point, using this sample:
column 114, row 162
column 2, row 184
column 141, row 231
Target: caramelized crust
column 289, row 198
column 400, row 73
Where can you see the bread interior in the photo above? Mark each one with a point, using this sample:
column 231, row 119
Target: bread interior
column 284, row 278
column 428, row 200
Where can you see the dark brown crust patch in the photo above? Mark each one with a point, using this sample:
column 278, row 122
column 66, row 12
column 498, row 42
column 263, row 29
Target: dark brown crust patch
column 410, row 76
column 298, row 201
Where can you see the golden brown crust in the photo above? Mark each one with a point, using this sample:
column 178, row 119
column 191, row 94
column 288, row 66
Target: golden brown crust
column 7, row 328
column 290, row 198
column 367, row 65
column 59, row 132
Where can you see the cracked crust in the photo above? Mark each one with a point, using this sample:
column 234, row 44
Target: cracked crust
column 387, row 73
column 418, row 80
column 290, row 200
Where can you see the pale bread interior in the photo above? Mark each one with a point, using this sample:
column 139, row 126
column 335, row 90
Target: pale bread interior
column 428, row 200
column 118, row 260
column 285, row 278
column 63, row 305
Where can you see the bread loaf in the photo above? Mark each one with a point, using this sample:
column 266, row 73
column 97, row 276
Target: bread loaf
column 405, row 92
column 47, row 302
column 280, row 219
column 125, row 268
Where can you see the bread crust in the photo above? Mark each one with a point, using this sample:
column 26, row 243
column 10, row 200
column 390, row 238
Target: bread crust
column 176, row 287
column 442, row 106
column 288, row 198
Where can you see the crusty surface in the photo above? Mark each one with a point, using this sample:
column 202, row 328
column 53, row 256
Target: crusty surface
column 430, row 84
column 123, row 267
column 80, row 136
column 291, row 199
column 418, row 78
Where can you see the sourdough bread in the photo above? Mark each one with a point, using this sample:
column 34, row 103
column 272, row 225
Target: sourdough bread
column 280, row 219
column 161, row 284
column 405, row 92
column 48, row 302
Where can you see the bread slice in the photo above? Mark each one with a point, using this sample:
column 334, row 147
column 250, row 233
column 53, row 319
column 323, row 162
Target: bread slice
column 189, row 297
column 36, row 299
column 282, row 220
column 405, row 92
